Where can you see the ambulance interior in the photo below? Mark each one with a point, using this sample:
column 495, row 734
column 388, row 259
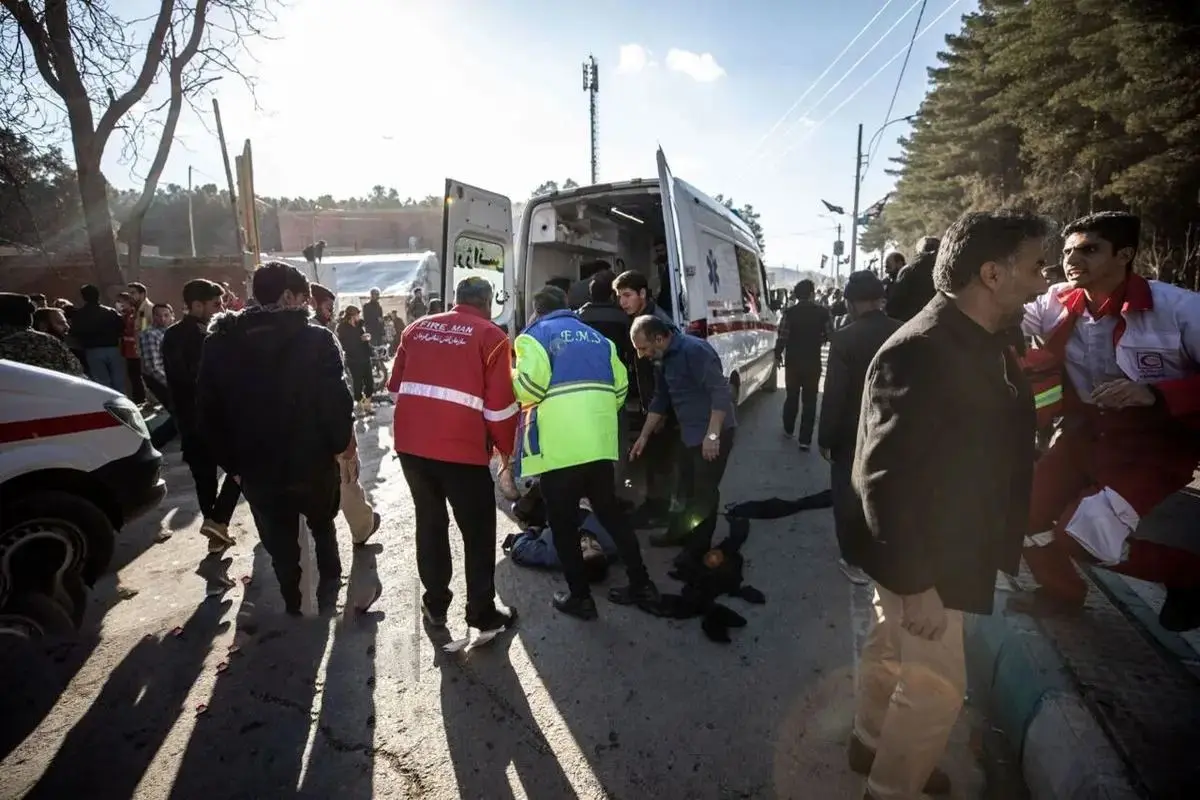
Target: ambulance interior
column 567, row 237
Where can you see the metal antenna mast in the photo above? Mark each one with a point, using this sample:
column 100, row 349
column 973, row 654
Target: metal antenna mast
column 591, row 85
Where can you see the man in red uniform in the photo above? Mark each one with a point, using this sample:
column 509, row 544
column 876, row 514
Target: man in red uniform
column 1130, row 349
column 454, row 402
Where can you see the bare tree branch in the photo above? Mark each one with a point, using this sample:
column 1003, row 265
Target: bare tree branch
column 145, row 79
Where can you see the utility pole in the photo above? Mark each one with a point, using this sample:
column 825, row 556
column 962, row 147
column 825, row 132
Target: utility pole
column 591, row 85
column 858, row 163
column 191, row 219
column 237, row 223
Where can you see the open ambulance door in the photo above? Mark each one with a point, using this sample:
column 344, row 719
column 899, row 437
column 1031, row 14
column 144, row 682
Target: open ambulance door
column 682, row 262
column 477, row 241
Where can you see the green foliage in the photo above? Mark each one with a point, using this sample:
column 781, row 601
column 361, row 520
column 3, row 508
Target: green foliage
column 1066, row 106
column 39, row 201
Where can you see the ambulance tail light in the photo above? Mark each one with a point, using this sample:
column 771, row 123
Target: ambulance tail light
column 698, row 328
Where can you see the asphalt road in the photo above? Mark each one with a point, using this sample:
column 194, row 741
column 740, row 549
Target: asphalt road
column 153, row 703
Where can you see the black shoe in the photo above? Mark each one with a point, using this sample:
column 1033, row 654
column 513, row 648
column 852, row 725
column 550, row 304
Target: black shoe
column 293, row 611
column 643, row 595
column 579, row 607
column 862, row 758
column 432, row 618
column 804, row 448
column 327, row 596
column 1181, row 611
column 494, row 621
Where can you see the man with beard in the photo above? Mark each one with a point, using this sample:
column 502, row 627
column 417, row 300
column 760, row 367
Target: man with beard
column 943, row 465
column 1130, row 348
column 20, row 342
column 692, row 385
column 182, row 345
column 372, row 314
column 273, row 403
column 361, row 517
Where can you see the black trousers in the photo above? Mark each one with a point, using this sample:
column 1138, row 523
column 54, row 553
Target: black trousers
column 853, row 537
column 215, row 505
column 469, row 491
column 562, row 489
column 659, row 461
column 362, row 382
column 700, row 488
column 167, row 430
column 137, row 389
column 802, row 381
column 277, row 511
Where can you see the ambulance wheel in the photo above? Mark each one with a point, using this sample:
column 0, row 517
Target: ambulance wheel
column 75, row 521
column 35, row 616
column 771, row 384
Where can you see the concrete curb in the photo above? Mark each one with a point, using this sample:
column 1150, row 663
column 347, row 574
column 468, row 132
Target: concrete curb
column 1015, row 674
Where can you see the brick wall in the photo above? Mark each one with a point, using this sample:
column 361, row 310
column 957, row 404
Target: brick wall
column 386, row 230
column 61, row 276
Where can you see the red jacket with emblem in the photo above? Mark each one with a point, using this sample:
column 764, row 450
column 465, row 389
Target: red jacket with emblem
column 452, row 380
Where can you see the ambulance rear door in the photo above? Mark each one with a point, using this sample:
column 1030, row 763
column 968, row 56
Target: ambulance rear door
column 477, row 241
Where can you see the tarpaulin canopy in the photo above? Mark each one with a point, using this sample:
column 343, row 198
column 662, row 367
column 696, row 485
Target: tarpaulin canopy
column 393, row 274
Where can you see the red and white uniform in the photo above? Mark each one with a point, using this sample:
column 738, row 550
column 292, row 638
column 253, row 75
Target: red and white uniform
column 1111, row 467
column 452, row 380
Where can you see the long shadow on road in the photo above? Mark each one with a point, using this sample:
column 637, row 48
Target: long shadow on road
column 108, row 752
column 490, row 728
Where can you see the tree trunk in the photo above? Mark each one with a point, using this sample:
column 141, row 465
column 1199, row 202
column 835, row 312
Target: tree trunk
column 133, row 262
column 93, row 193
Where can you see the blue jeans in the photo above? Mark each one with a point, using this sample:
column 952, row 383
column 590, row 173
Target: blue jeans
column 106, row 365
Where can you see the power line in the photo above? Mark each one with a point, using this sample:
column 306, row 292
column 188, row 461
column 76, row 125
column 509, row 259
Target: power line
column 820, row 77
column 812, row 107
column 811, row 131
column 896, row 91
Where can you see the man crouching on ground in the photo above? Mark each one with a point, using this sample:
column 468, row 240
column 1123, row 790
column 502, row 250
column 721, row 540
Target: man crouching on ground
column 274, row 405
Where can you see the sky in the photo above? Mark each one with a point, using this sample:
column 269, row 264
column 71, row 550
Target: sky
column 758, row 100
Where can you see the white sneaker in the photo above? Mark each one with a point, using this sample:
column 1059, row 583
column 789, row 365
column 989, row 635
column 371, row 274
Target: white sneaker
column 854, row 574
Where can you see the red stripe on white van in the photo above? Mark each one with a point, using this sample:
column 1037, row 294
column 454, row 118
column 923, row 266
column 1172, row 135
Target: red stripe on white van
column 56, row 426
column 715, row 328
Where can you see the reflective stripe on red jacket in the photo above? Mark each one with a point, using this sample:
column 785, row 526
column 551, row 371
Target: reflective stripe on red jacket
column 453, row 386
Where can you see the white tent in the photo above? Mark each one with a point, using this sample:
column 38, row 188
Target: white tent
column 395, row 275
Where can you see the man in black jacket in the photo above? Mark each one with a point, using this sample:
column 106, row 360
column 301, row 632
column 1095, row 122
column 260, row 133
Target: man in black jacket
column 851, row 349
column 802, row 332
column 99, row 329
column 633, row 294
column 182, row 344
column 913, row 287
column 944, row 466
column 275, row 407
column 602, row 313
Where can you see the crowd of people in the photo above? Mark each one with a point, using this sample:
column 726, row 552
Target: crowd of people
column 929, row 421
column 985, row 404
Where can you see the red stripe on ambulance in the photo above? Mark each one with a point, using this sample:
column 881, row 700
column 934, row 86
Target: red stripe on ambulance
column 22, row 430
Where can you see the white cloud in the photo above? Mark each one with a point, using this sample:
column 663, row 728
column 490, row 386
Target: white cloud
column 634, row 58
column 701, row 67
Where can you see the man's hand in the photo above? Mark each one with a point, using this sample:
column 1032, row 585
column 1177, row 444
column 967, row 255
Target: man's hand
column 637, row 448
column 827, row 454
column 1122, row 393
column 710, row 449
column 923, row 615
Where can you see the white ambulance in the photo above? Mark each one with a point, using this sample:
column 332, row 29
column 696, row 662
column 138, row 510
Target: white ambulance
column 76, row 465
column 718, row 287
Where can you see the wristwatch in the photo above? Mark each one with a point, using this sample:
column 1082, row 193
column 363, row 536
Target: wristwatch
column 712, row 437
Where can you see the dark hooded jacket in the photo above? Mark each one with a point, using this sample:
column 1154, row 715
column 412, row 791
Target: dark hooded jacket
column 913, row 288
column 272, row 399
